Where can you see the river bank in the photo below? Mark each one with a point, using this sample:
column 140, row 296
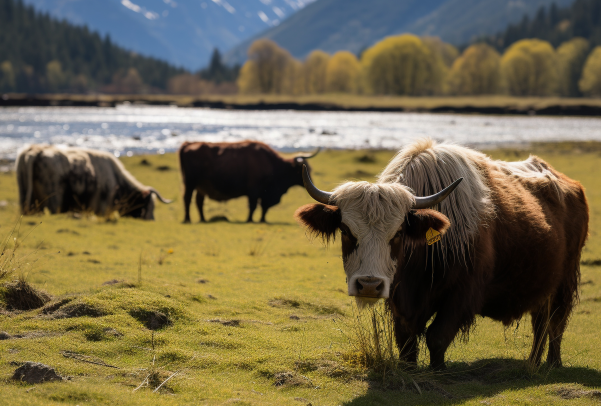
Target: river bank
column 496, row 105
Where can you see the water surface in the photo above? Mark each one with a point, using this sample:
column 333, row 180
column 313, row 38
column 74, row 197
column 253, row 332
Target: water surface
column 129, row 129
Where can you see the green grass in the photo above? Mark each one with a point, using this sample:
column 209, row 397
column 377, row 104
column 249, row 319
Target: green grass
column 270, row 308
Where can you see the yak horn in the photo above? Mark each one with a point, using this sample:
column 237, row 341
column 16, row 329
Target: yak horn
column 158, row 195
column 319, row 195
column 311, row 155
column 433, row 200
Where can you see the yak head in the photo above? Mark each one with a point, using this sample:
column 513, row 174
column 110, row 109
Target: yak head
column 299, row 162
column 141, row 204
column 375, row 221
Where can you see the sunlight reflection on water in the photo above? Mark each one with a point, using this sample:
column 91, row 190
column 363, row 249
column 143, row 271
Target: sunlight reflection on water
column 145, row 129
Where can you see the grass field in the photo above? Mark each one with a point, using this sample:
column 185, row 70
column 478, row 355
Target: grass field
column 257, row 314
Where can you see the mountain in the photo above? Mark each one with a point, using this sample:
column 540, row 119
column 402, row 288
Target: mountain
column 38, row 53
column 182, row 32
column 353, row 25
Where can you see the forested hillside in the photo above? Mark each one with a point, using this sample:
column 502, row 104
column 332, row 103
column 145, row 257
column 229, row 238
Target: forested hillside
column 555, row 25
column 353, row 25
column 41, row 54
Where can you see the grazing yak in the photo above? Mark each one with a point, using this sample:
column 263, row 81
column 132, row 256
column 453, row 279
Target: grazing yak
column 66, row 178
column 226, row 170
column 512, row 235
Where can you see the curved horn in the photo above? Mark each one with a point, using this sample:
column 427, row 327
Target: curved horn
column 319, row 195
column 433, row 200
column 161, row 198
column 311, row 155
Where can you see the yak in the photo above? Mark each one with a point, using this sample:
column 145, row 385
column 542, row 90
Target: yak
column 510, row 236
column 65, row 179
column 226, row 170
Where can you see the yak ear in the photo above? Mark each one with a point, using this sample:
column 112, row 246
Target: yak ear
column 418, row 222
column 320, row 220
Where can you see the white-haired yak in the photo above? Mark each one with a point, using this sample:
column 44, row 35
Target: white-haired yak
column 76, row 179
column 226, row 170
column 513, row 235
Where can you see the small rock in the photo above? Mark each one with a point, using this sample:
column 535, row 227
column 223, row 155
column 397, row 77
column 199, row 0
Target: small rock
column 294, row 317
column 35, row 372
column 4, row 335
column 203, row 281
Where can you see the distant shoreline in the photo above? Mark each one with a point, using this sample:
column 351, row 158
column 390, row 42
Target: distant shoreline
column 486, row 105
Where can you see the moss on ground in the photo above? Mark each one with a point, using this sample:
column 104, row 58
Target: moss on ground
column 230, row 313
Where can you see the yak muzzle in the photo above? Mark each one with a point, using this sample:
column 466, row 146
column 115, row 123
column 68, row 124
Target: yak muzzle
column 370, row 286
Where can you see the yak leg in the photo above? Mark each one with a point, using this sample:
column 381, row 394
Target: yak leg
column 200, row 198
column 540, row 329
column 406, row 341
column 561, row 307
column 443, row 330
column 264, row 208
column 188, row 190
column 252, row 206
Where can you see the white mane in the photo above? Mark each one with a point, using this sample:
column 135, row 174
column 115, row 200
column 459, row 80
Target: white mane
column 427, row 167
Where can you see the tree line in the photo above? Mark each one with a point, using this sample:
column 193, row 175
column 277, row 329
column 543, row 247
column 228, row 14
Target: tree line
column 39, row 54
column 413, row 66
column 555, row 25
column 556, row 53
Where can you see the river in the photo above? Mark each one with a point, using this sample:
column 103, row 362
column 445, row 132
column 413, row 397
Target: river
column 131, row 129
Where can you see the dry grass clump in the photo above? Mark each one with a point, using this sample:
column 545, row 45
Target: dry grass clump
column 372, row 339
column 374, row 348
column 20, row 295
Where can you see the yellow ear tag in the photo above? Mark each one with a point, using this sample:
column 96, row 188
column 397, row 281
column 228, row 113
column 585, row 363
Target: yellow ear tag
column 433, row 236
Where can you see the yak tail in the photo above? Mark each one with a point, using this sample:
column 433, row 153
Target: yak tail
column 24, row 171
column 180, row 154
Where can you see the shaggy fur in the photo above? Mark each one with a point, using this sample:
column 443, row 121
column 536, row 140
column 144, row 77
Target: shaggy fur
column 515, row 236
column 67, row 178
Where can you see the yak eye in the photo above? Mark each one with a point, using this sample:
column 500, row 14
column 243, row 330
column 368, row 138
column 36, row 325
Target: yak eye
column 343, row 231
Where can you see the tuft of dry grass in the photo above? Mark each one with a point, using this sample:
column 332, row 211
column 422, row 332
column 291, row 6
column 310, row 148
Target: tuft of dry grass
column 20, row 295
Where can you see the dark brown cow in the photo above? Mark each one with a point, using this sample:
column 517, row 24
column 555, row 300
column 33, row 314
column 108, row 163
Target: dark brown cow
column 226, row 170
column 513, row 235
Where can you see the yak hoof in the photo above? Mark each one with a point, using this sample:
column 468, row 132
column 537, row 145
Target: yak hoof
column 187, row 221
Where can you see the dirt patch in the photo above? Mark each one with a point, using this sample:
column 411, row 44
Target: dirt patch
column 366, row 159
column 20, row 295
column 575, row 393
column 143, row 162
column 229, row 323
column 163, row 168
column 112, row 282
column 203, row 281
column 291, row 379
column 297, row 304
column 35, row 372
column 78, row 309
column 324, row 367
column 359, row 174
column 67, row 231
column 153, row 320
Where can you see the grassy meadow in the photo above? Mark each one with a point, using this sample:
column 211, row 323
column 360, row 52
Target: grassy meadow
column 253, row 314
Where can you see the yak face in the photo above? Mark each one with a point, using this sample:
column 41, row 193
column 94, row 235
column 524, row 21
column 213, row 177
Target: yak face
column 297, row 170
column 376, row 224
column 141, row 206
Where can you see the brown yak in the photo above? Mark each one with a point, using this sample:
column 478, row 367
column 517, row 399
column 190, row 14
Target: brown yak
column 512, row 238
column 226, row 170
